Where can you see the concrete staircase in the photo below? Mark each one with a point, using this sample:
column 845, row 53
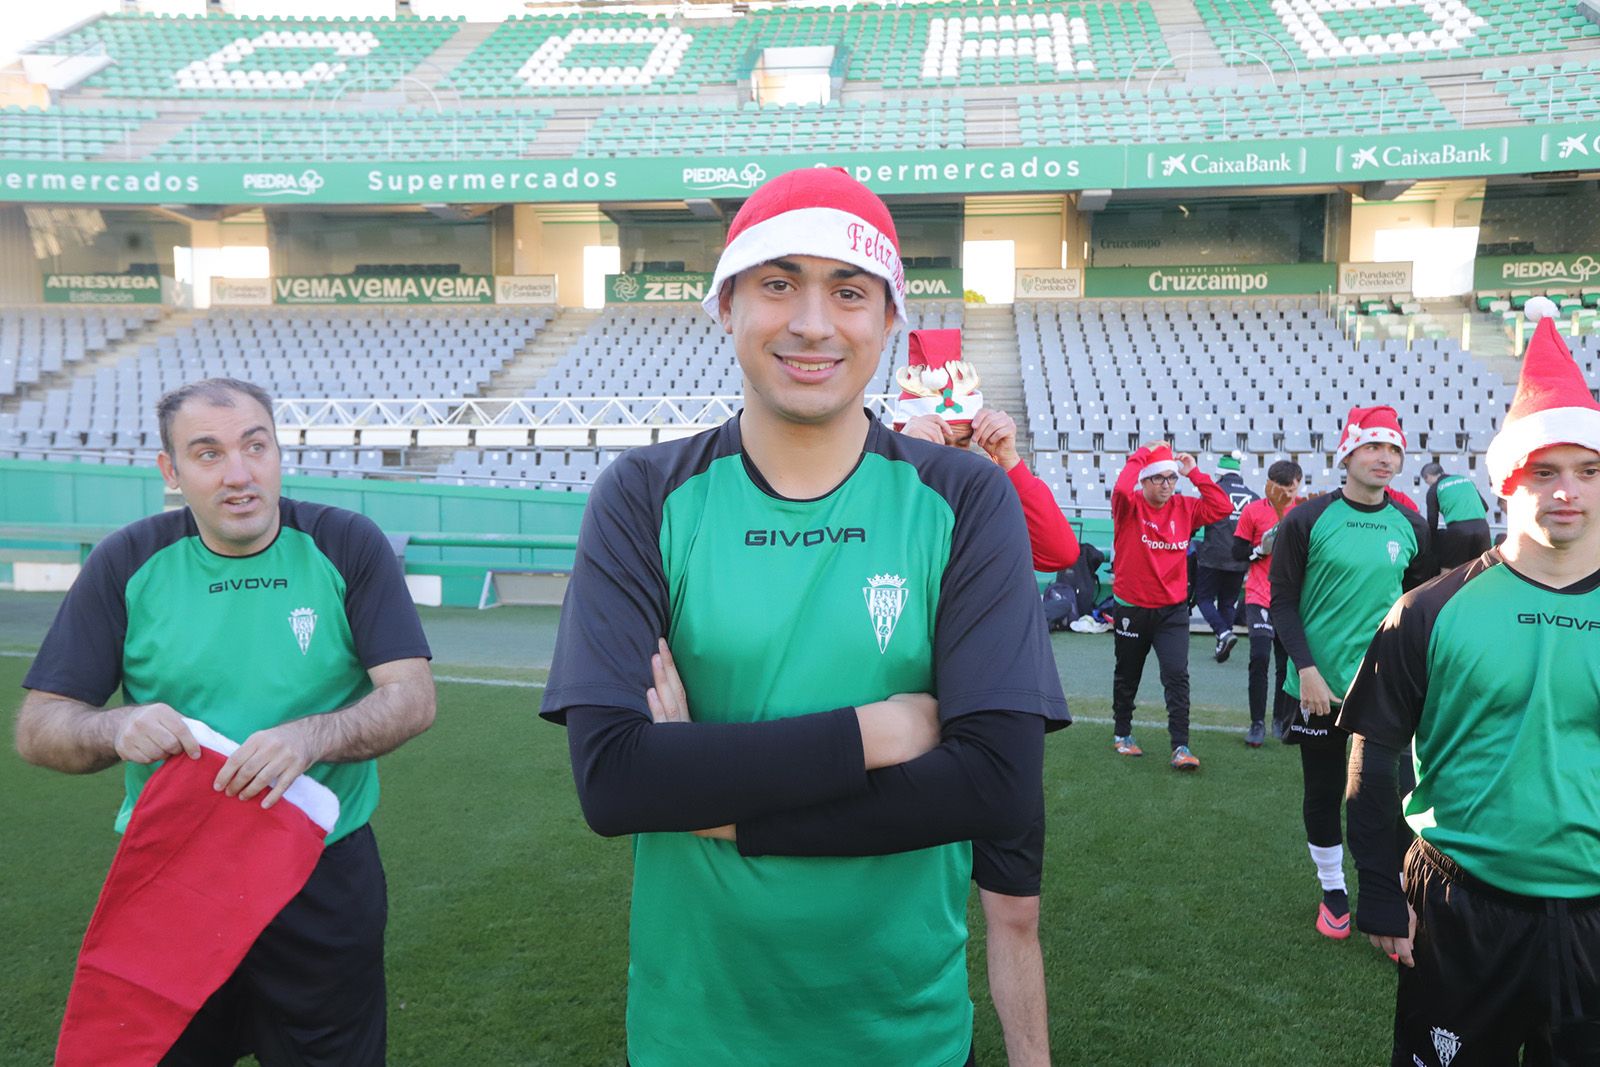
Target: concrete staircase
column 447, row 56
column 536, row 358
column 989, row 341
column 107, row 357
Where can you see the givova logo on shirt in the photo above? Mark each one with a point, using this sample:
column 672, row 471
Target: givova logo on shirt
column 886, row 599
column 303, row 621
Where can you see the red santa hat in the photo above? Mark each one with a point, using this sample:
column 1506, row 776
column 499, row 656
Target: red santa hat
column 818, row 211
column 196, row 879
column 1367, row 426
column 1160, row 461
column 937, row 381
column 1553, row 406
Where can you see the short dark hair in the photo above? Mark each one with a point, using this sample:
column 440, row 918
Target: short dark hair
column 1285, row 472
column 218, row 392
column 1431, row 469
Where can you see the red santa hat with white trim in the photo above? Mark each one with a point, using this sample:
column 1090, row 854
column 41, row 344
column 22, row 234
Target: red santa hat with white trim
column 1377, row 425
column 1160, row 461
column 1553, row 405
column 936, row 380
column 818, row 211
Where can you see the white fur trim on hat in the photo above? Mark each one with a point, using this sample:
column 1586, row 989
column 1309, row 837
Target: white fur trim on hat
column 320, row 803
column 1373, row 435
column 1509, row 451
column 1163, row 466
column 824, row 232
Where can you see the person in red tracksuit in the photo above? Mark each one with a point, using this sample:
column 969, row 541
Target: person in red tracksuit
column 1151, row 526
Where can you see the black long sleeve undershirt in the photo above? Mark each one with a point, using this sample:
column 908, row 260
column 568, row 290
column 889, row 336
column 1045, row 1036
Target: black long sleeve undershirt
column 635, row 776
column 1241, row 549
column 1372, row 814
column 985, row 780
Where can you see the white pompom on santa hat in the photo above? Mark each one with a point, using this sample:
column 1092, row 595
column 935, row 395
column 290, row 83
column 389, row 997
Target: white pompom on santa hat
column 1160, row 461
column 817, row 211
column 1553, row 405
column 1377, row 425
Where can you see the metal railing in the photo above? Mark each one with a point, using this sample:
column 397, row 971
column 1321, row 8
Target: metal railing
column 591, row 413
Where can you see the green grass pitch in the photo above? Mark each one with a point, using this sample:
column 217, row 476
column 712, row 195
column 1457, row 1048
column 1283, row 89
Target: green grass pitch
column 1177, row 910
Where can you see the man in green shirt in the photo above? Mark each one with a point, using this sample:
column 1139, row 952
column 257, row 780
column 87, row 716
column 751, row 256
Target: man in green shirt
column 1455, row 502
column 1339, row 562
column 801, row 874
column 1490, row 676
column 286, row 627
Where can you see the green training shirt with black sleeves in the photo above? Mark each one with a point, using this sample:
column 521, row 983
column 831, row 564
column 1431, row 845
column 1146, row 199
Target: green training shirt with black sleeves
column 1337, row 567
column 241, row 643
column 913, row 575
column 1493, row 681
column 1454, row 499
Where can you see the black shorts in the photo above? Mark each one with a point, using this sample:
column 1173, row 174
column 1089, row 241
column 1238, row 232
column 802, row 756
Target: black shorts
column 310, row 991
column 1015, row 866
column 1501, row 980
column 1318, row 732
column 1461, row 542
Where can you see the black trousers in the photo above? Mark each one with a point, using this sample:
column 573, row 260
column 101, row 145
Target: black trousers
column 1137, row 631
column 1266, row 650
column 310, row 991
column 1216, row 594
column 1501, row 980
column 1461, row 542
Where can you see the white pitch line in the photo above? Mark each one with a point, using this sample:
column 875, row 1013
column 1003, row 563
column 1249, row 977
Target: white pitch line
column 1151, row 724
column 506, row 682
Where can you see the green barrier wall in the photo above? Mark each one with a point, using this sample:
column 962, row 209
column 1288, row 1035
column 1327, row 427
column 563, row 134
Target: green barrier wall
column 77, row 494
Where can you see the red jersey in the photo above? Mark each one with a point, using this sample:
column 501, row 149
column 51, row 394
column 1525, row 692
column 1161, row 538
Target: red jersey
column 1255, row 520
column 1050, row 535
column 1151, row 566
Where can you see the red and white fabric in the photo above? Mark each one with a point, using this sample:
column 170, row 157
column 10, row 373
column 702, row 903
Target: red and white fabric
column 197, row 877
column 936, row 380
column 1379, row 424
column 816, row 211
column 1553, row 406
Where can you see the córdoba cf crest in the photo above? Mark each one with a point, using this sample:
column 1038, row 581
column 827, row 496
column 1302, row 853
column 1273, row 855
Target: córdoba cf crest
column 1394, row 551
column 1446, row 1045
column 886, row 599
column 303, row 621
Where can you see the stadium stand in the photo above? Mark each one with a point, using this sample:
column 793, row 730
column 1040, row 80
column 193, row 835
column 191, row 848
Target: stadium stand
column 40, row 341
column 409, row 133
column 364, row 353
column 1226, row 112
column 1550, row 91
column 67, row 134
column 220, row 56
column 954, row 45
column 1265, row 376
column 889, row 125
column 1388, row 31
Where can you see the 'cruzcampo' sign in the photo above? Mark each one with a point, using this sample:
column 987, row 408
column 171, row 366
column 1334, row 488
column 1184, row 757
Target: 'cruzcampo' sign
column 395, row 289
column 1257, row 279
column 102, row 289
column 1572, row 270
column 1461, row 153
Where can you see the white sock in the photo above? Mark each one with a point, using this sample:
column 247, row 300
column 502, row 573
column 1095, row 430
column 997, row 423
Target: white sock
column 1330, row 866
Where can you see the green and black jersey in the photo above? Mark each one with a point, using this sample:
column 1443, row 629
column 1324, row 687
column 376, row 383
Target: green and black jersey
column 241, row 643
column 1337, row 566
column 1493, row 682
column 913, row 575
column 1453, row 499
